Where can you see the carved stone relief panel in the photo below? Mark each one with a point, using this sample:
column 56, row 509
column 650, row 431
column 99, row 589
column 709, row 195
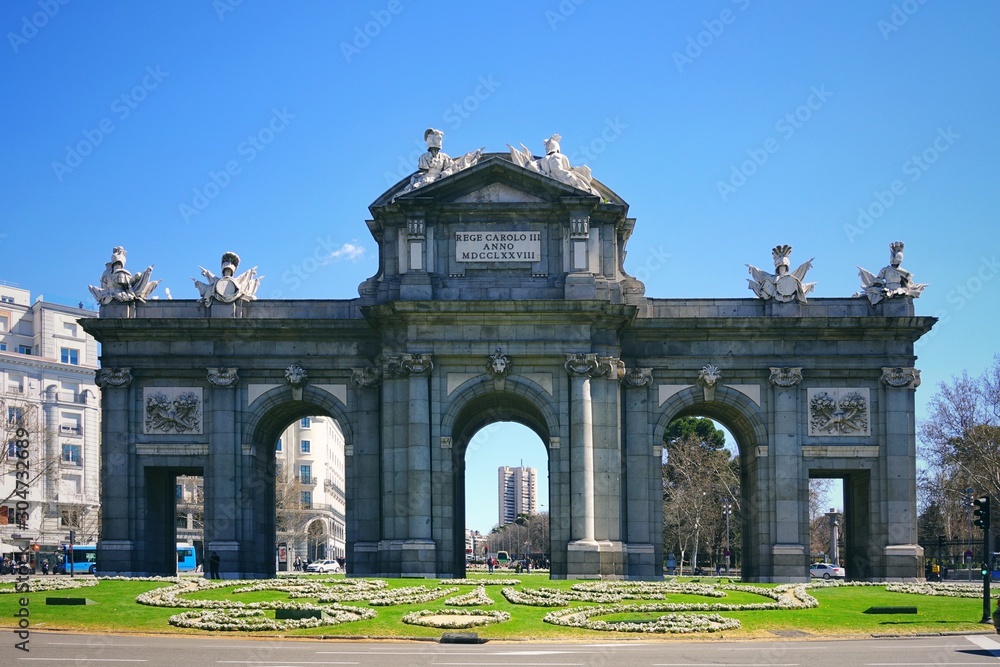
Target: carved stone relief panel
column 172, row 410
column 839, row 411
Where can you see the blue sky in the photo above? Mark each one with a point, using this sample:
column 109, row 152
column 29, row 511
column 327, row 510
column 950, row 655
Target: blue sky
column 181, row 130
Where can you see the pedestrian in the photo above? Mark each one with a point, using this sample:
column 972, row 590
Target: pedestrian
column 489, row 563
column 45, row 566
column 298, row 563
column 213, row 566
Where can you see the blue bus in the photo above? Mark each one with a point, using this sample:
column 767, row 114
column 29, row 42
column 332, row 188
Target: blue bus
column 84, row 559
column 78, row 559
column 187, row 558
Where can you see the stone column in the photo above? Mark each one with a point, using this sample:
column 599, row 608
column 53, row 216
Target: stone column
column 903, row 556
column 361, row 459
column 580, row 367
column 419, row 366
column 642, row 487
column 118, row 536
column 228, row 486
column 788, row 549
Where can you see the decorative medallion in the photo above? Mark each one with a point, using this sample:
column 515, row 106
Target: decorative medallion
column 839, row 411
column 223, row 377
column 366, row 377
column 172, row 410
column 786, row 377
column 901, row 377
column 113, row 377
column 639, row 377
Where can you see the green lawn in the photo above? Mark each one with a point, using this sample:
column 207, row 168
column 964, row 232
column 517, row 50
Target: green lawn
column 840, row 613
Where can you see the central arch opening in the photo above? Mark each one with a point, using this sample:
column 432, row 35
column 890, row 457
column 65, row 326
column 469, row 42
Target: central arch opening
column 501, row 436
column 506, row 496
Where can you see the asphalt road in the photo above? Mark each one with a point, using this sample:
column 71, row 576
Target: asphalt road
column 121, row 651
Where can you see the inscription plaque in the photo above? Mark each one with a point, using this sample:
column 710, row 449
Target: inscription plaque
column 476, row 246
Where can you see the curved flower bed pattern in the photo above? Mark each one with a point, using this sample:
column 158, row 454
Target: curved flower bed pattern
column 476, row 597
column 455, row 618
column 580, row 617
column 53, row 584
column 254, row 620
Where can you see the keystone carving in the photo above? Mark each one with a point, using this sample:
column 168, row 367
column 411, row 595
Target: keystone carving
column 708, row 377
column 498, row 367
column 407, row 364
column 297, row 377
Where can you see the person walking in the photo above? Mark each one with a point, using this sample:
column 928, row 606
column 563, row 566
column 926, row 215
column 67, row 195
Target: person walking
column 213, row 566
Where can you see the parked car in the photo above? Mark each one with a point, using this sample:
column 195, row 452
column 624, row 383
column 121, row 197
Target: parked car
column 827, row 571
column 323, row 566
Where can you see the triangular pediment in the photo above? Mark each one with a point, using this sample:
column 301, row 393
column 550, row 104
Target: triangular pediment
column 494, row 179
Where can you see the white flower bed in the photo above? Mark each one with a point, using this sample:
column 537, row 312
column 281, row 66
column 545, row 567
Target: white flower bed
column 476, row 597
column 49, row 584
column 410, row 595
column 935, row 588
column 646, row 590
column 580, row 617
column 480, row 582
column 455, row 618
column 254, row 620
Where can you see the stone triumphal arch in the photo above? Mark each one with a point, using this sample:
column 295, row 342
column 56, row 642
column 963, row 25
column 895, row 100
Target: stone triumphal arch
column 501, row 295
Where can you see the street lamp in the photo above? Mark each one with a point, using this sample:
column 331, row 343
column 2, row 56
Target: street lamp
column 727, row 509
column 967, row 503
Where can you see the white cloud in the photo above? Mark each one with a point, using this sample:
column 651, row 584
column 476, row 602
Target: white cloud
column 351, row 251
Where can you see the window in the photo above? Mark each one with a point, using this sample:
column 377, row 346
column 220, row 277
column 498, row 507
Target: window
column 305, row 474
column 182, row 520
column 304, row 446
column 307, row 499
column 24, row 349
column 3, row 347
column 277, row 445
column 179, row 491
column 69, row 519
column 71, row 454
column 304, row 423
column 4, row 322
column 14, row 415
column 69, row 356
column 6, row 299
column 69, row 328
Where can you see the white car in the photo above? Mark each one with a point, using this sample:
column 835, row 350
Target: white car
column 827, row 571
column 323, row 566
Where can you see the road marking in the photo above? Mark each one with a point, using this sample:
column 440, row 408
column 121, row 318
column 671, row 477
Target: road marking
column 985, row 643
column 88, row 659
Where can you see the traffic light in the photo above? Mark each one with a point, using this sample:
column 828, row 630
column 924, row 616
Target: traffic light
column 982, row 512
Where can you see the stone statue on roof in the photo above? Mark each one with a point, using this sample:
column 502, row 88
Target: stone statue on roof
column 891, row 281
column 554, row 165
column 228, row 287
column 436, row 164
column 781, row 285
column 118, row 284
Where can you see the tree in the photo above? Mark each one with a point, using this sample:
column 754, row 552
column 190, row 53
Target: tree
column 960, row 442
column 698, row 475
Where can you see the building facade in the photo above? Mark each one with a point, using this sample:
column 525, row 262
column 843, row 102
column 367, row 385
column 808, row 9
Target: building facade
column 501, row 295
column 517, row 493
column 49, row 399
